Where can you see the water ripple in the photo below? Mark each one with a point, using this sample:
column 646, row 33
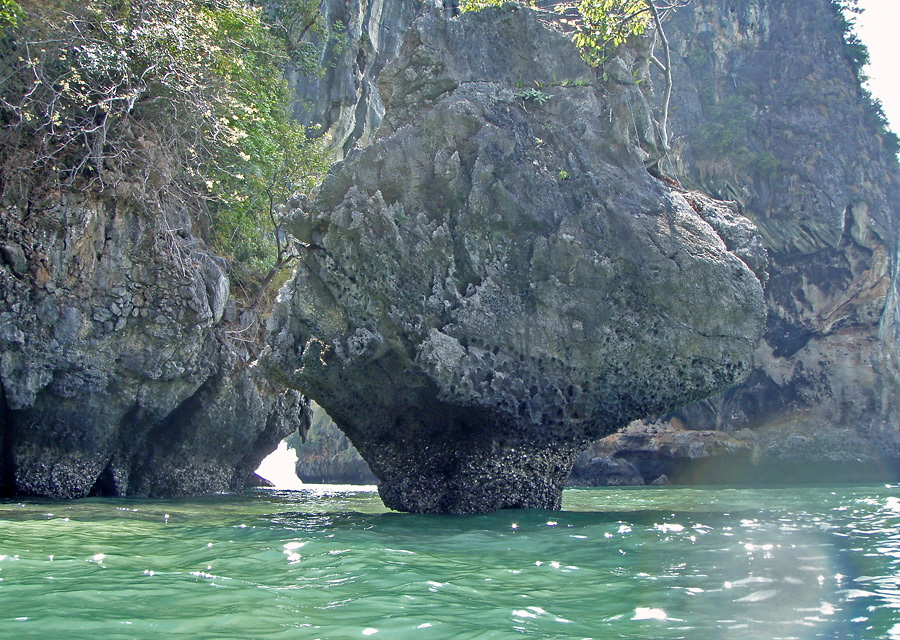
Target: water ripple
column 748, row 564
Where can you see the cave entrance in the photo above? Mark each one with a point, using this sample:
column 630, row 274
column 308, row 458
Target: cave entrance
column 324, row 456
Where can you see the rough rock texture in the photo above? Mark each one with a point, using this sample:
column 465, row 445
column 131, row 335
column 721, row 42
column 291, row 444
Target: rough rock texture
column 496, row 280
column 345, row 104
column 767, row 111
column 117, row 376
column 654, row 449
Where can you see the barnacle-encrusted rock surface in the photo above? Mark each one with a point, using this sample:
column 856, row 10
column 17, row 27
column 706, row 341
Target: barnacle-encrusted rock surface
column 496, row 280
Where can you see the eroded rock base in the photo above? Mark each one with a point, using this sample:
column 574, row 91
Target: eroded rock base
column 483, row 475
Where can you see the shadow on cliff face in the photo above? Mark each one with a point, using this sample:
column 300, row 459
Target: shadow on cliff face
column 496, row 280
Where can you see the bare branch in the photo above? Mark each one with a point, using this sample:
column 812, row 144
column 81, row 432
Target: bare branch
column 667, row 73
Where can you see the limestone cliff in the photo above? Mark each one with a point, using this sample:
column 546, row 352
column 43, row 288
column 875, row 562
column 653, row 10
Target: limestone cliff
column 125, row 362
column 768, row 112
column 122, row 365
column 117, row 372
column 344, row 104
column 496, row 279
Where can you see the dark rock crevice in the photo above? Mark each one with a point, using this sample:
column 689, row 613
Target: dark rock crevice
column 7, row 460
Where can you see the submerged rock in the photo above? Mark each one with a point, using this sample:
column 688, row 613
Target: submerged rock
column 257, row 481
column 496, row 280
column 657, row 449
column 604, row 471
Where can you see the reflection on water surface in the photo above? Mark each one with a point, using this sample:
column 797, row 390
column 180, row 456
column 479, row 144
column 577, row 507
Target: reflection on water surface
column 331, row 562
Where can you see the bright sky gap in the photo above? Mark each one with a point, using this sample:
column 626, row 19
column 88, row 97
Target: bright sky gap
column 877, row 27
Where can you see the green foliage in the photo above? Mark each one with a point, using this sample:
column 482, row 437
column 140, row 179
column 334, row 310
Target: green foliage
column 857, row 55
column 855, row 51
column 875, row 113
column 294, row 22
column 562, row 174
column 603, row 24
column 763, row 164
column 727, row 131
column 267, row 156
column 533, row 94
column 607, row 24
column 475, row 5
column 10, row 14
column 727, row 125
column 183, row 101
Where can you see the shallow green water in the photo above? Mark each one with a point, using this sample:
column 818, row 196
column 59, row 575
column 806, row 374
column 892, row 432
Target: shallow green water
column 649, row 563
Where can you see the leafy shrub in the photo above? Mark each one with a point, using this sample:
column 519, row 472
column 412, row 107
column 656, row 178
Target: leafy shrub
column 173, row 102
column 606, row 24
column 475, row 5
column 601, row 24
column 10, row 14
column 535, row 95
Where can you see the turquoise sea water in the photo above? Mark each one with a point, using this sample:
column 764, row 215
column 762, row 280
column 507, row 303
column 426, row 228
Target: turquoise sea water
column 648, row 563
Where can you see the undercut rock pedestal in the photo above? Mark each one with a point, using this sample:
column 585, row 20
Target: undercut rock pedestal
column 496, row 280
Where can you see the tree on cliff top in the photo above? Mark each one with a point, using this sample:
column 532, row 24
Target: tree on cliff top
column 599, row 27
column 167, row 102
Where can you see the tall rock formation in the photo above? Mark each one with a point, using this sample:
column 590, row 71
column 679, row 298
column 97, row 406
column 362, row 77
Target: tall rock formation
column 344, row 104
column 496, row 280
column 125, row 362
column 768, row 112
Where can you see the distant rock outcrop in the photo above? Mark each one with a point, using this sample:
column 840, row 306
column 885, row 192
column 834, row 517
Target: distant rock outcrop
column 326, row 456
column 496, row 280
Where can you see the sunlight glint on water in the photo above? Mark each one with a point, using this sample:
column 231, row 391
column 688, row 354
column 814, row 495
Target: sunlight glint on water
column 332, row 563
